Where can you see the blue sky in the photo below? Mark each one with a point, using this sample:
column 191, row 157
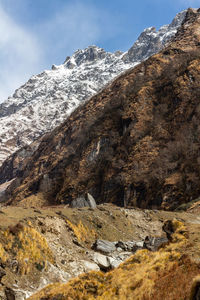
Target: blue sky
column 34, row 34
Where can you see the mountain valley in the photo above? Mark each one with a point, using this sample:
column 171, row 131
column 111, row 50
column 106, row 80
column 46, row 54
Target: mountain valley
column 133, row 144
column 99, row 182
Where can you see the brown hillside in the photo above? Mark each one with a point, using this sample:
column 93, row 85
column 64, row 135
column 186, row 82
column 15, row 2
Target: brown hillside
column 135, row 144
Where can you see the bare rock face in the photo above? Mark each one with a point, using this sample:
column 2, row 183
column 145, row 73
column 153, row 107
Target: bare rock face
column 152, row 40
column 84, row 201
column 47, row 99
column 135, row 143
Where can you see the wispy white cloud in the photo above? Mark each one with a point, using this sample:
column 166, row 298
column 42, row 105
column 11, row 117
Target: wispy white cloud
column 25, row 51
column 19, row 54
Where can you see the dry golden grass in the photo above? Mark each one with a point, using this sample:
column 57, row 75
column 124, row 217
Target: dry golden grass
column 37, row 200
column 81, row 232
column 27, row 246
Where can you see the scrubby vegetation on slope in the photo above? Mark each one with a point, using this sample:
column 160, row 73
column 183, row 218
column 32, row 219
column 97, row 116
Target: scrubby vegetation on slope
column 82, row 232
column 26, row 247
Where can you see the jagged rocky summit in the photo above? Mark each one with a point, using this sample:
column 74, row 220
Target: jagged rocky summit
column 48, row 98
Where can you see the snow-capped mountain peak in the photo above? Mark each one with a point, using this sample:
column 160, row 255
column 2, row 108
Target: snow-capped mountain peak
column 46, row 99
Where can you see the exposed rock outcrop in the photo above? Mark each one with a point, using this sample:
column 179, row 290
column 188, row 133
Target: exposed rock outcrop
column 84, row 201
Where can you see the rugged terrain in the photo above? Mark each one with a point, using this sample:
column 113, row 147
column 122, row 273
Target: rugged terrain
column 54, row 244
column 136, row 143
column 172, row 273
column 48, row 98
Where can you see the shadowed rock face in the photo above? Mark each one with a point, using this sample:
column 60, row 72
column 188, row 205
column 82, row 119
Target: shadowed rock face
column 135, row 143
column 13, row 165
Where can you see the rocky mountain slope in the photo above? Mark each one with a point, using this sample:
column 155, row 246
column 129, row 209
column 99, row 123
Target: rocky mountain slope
column 48, row 98
column 135, row 143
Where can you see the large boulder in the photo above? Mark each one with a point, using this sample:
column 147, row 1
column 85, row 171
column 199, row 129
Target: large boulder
column 102, row 261
column 104, row 246
column 79, row 202
column 91, row 201
column 89, row 266
column 84, row 201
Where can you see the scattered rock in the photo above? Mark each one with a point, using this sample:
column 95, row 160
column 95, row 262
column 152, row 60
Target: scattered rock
column 102, row 261
column 132, row 246
column 89, row 266
column 107, row 263
column 114, row 262
column 104, row 246
column 119, row 249
column 154, row 243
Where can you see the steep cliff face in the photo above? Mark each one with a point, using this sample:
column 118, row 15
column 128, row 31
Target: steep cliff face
column 48, row 98
column 13, row 165
column 135, row 143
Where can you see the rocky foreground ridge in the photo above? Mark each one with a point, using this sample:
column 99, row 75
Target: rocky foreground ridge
column 48, row 98
column 169, row 273
column 55, row 244
column 136, row 143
